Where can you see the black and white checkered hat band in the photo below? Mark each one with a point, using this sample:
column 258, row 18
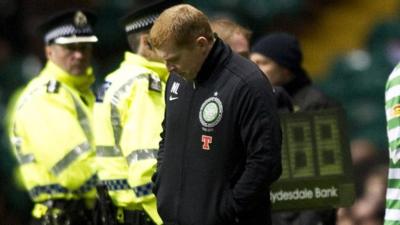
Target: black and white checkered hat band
column 66, row 30
column 141, row 23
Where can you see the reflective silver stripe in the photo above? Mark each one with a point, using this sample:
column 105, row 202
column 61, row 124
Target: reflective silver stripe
column 80, row 149
column 70, row 158
column 17, row 141
column 126, row 88
column 141, row 154
column 116, row 98
column 26, row 159
column 28, row 96
column 116, row 124
column 107, row 151
column 83, row 119
column 22, row 158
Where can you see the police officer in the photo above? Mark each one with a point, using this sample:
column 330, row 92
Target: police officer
column 52, row 126
column 128, row 116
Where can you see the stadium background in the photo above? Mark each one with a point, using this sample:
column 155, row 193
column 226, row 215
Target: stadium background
column 350, row 47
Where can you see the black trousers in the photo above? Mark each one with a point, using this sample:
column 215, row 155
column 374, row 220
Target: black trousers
column 136, row 217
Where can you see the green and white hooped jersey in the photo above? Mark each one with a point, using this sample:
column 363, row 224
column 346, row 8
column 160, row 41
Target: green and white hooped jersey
column 392, row 108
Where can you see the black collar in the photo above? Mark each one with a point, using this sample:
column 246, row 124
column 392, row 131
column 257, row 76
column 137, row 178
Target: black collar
column 300, row 81
column 217, row 56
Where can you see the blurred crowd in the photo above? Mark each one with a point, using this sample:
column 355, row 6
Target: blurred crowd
column 370, row 174
column 21, row 58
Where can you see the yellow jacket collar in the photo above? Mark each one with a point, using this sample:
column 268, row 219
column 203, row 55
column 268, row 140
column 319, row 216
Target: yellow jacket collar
column 81, row 83
column 159, row 68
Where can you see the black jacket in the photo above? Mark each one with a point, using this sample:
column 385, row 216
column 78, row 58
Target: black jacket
column 307, row 97
column 284, row 102
column 229, row 106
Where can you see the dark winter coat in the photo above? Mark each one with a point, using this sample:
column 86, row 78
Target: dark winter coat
column 221, row 145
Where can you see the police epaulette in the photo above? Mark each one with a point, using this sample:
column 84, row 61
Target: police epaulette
column 154, row 83
column 52, row 86
column 101, row 91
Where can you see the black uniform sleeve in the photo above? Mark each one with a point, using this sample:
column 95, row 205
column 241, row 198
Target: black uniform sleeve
column 261, row 135
column 283, row 100
column 160, row 155
column 161, row 148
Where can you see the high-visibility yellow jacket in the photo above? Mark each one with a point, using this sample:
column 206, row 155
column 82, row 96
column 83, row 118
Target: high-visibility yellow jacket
column 128, row 116
column 52, row 136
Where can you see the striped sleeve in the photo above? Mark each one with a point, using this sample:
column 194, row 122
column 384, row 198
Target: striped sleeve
column 392, row 108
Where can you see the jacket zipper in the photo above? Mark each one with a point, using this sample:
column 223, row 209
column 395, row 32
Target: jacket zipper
column 185, row 144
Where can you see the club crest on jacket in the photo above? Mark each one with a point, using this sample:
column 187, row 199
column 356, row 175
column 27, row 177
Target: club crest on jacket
column 211, row 112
